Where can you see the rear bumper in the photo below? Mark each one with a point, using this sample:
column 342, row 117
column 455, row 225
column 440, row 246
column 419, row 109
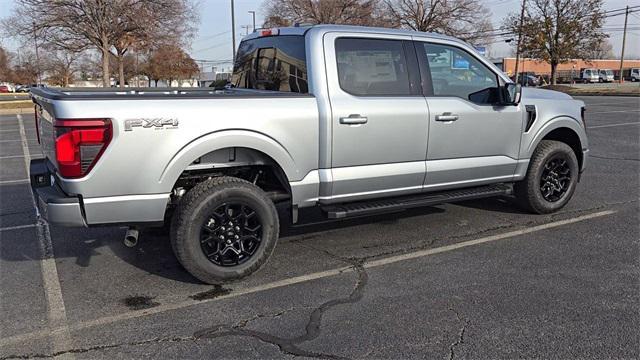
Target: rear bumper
column 585, row 158
column 54, row 205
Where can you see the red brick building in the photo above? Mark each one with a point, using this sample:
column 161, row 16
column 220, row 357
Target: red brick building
column 565, row 69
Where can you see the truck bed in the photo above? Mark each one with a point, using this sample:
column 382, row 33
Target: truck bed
column 154, row 93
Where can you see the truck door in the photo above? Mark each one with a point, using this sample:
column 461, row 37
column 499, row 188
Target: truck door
column 472, row 139
column 379, row 117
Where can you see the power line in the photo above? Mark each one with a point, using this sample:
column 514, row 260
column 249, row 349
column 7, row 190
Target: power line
column 503, row 28
column 209, row 37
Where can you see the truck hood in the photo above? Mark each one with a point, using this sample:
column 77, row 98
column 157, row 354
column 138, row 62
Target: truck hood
column 533, row 93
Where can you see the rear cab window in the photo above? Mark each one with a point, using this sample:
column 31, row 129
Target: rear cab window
column 276, row 63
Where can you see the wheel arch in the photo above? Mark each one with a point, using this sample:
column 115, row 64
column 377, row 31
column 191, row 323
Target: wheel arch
column 566, row 130
column 256, row 149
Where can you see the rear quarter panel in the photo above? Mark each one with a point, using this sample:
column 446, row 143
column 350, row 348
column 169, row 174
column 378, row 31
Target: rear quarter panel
column 149, row 160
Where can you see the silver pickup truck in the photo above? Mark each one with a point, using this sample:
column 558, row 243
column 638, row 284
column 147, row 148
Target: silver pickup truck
column 347, row 120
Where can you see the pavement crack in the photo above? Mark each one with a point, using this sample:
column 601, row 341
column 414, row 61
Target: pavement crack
column 613, row 158
column 291, row 346
column 97, row 347
column 460, row 338
column 245, row 322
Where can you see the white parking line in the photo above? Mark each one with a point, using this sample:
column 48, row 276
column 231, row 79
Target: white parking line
column 11, row 157
column 9, row 228
column 297, row 280
column 607, row 104
column 56, row 312
column 20, row 181
column 612, row 125
column 612, row 111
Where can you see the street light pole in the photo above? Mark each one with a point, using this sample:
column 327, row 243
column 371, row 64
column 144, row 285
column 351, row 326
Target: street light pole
column 519, row 39
column 233, row 31
column 246, row 29
column 624, row 39
column 35, row 41
column 253, row 14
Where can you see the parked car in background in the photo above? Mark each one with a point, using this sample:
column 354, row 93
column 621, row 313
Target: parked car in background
column 4, row 89
column 635, row 74
column 605, row 75
column 527, row 79
column 10, row 87
column 22, row 88
column 589, row 76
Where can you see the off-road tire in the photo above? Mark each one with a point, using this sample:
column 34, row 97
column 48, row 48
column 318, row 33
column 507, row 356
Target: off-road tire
column 528, row 191
column 196, row 207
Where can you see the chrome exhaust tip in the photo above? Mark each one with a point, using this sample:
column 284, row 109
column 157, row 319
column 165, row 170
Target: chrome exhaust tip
column 131, row 237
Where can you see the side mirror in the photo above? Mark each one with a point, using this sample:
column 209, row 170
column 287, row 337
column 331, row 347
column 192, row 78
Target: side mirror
column 512, row 93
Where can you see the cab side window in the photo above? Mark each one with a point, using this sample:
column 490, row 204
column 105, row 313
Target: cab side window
column 454, row 72
column 372, row 67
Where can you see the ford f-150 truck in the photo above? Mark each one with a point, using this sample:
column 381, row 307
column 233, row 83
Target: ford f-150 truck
column 347, row 121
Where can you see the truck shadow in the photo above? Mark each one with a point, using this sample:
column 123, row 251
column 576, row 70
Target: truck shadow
column 100, row 251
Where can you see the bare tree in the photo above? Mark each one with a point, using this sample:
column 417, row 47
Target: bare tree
column 24, row 69
column 466, row 19
column 557, row 31
column 101, row 24
column 5, row 66
column 169, row 62
column 353, row 12
column 150, row 24
column 60, row 65
column 604, row 51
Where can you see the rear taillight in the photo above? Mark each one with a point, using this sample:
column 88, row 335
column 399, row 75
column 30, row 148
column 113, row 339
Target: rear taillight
column 79, row 144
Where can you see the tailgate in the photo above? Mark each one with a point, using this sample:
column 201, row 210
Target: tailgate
column 45, row 129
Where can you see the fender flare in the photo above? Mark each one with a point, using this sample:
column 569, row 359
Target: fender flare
column 227, row 139
column 554, row 124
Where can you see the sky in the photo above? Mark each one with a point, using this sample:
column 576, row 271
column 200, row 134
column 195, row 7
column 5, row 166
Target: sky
column 212, row 44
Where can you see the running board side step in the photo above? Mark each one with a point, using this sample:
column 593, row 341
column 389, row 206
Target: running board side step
column 361, row 208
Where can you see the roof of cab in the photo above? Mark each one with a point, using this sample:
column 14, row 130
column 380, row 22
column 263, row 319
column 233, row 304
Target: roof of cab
column 324, row 28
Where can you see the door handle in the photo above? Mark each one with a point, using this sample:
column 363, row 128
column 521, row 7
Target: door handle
column 354, row 119
column 447, row 117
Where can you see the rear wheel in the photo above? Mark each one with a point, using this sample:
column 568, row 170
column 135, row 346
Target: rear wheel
column 224, row 229
column 551, row 178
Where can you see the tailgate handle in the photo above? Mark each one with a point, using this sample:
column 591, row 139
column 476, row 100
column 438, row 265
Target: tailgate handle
column 354, row 119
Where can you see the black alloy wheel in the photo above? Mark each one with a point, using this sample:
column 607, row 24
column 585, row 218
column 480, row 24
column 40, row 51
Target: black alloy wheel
column 231, row 235
column 555, row 179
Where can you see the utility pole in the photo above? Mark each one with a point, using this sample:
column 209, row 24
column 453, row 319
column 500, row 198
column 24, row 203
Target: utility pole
column 233, row 31
column 519, row 39
column 624, row 39
column 246, row 29
column 253, row 13
column 35, row 42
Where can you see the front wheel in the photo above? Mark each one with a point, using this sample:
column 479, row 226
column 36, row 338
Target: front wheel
column 224, row 229
column 551, row 178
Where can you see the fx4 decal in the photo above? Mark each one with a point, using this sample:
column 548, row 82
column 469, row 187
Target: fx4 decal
column 156, row 123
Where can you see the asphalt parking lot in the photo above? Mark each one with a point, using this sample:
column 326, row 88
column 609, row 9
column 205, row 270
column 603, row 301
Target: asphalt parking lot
column 478, row 279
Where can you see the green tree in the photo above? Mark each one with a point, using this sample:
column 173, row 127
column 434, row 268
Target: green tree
column 557, row 31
